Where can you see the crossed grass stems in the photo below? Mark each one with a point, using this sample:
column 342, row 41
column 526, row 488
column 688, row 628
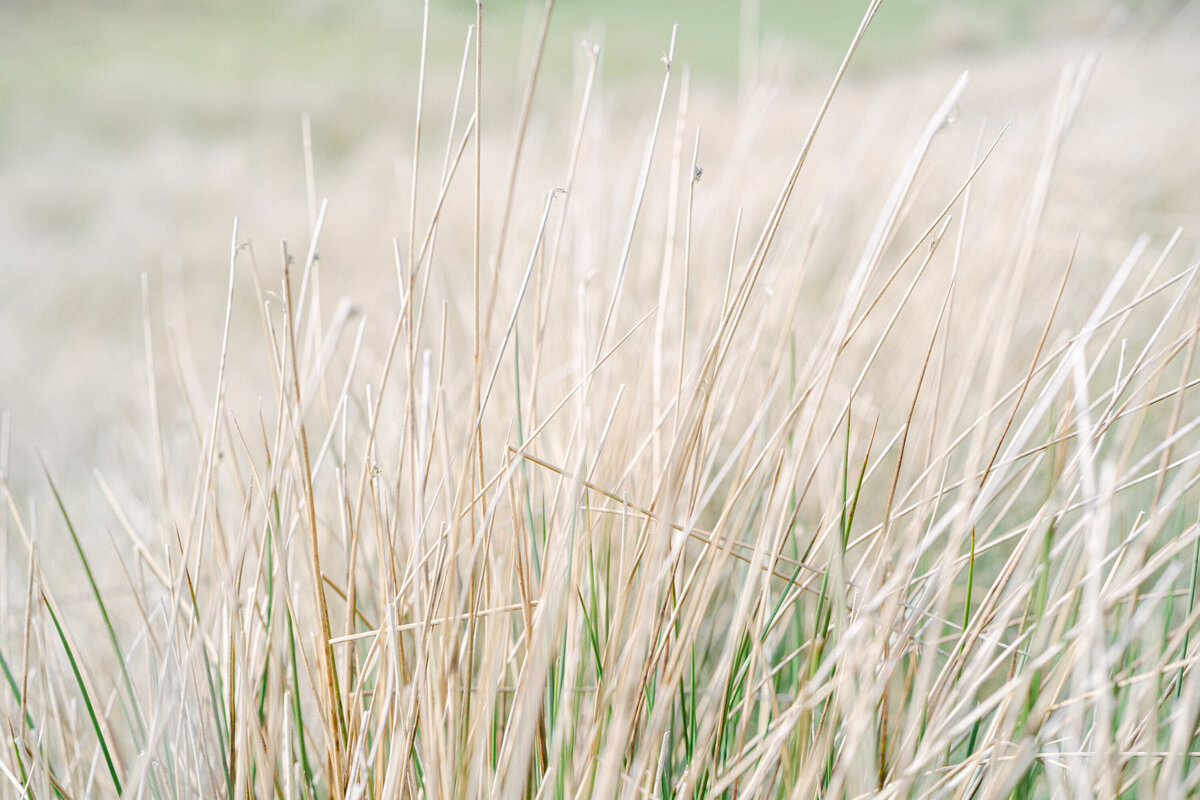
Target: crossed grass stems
column 750, row 589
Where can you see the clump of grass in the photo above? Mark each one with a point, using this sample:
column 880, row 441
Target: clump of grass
column 607, row 509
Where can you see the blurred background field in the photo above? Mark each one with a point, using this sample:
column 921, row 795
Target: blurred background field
column 132, row 133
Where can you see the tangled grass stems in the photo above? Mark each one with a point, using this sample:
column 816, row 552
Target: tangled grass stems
column 687, row 521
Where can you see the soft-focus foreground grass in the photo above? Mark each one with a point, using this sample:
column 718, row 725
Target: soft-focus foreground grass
column 677, row 441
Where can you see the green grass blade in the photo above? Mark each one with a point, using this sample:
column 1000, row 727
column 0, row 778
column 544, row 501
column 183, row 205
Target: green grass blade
column 87, row 698
column 133, row 710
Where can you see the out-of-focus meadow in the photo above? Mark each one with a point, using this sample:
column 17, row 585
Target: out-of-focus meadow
column 131, row 135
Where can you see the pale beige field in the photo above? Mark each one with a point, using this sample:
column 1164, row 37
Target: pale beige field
column 141, row 166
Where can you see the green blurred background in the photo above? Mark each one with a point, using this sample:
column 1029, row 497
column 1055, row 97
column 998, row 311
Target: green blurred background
column 55, row 49
column 104, row 71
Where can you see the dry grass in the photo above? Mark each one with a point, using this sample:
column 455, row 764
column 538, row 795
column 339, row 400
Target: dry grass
column 808, row 445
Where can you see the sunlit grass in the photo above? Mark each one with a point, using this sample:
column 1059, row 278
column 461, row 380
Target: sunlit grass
column 682, row 453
